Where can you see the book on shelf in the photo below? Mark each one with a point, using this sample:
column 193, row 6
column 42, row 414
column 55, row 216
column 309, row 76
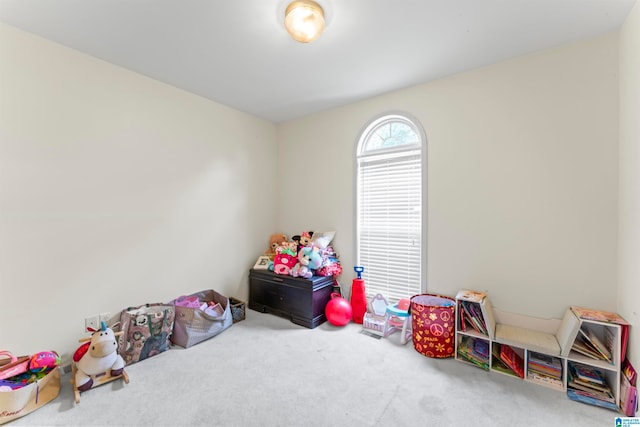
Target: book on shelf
column 589, row 386
column 587, row 373
column 476, row 311
column 629, row 371
column 588, row 382
column 471, row 315
column 628, row 397
column 499, row 365
column 610, row 340
column 584, row 348
column 551, row 374
column 628, row 390
column 480, row 309
column 467, row 318
column 598, row 315
column 545, row 360
column 472, row 296
column 481, row 348
column 546, row 365
column 591, row 340
column 467, row 351
column 579, row 396
column 542, row 378
column 478, row 350
column 606, row 317
column 608, row 400
column 512, row 360
column 604, row 395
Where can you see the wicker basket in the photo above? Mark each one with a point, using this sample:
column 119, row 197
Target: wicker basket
column 237, row 309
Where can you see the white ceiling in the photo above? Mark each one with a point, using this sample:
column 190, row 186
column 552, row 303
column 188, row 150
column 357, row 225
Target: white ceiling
column 237, row 53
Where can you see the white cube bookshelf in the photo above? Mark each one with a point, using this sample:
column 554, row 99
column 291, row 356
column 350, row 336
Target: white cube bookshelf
column 542, row 346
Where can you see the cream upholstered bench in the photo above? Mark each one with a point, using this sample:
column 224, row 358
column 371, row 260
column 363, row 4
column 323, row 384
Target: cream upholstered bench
column 548, row 336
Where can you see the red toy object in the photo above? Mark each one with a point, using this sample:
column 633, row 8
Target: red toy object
column 338, row 310
column 358, row 296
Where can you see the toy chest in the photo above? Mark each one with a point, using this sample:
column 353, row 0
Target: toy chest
column 301, row 300
column 433, row 322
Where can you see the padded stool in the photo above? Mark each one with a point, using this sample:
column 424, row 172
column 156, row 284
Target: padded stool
column 398, row 318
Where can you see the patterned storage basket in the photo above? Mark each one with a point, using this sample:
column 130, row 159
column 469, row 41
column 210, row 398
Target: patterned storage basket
column 433, row 321
column 237, row 309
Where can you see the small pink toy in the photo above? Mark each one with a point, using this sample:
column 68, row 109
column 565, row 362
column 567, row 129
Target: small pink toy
column 188, row 301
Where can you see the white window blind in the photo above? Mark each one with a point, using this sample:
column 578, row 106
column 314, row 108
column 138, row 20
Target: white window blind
column 390, row 217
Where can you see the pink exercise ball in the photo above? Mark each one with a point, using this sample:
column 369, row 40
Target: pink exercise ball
column 338, row 310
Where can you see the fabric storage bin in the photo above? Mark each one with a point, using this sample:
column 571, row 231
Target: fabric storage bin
column 433, row 321
column 193, row 325
column 146, row 331
column 24, row 400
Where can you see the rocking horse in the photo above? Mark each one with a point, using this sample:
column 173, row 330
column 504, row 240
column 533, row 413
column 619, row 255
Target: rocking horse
column 97, row 361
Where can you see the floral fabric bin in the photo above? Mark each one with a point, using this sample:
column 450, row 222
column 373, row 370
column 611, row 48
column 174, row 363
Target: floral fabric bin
column 433, row 321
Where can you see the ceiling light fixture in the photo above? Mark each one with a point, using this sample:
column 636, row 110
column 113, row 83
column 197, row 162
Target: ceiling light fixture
column 304, row 20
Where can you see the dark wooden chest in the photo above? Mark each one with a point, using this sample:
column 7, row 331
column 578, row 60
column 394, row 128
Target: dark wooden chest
column 300, row 300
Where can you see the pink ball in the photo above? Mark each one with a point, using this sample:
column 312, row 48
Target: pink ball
column 338, row 310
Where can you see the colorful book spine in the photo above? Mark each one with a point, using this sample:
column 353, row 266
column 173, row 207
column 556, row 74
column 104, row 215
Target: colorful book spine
column 596, row 344
column 467, row 351
column 512, row 360
column 588, row 373
column 581, row 397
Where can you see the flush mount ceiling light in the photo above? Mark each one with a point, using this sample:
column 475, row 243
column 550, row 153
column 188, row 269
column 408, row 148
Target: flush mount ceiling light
column 304, row 20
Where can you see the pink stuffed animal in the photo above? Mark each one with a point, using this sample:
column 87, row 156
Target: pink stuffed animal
column 283, row 263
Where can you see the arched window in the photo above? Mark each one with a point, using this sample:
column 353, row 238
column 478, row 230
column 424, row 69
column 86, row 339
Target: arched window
column 390, row 158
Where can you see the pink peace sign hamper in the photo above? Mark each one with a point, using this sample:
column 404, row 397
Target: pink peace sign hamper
column 433, row 321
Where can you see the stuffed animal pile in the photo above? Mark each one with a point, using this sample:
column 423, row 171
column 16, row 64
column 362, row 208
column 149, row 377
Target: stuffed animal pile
column 305, row 255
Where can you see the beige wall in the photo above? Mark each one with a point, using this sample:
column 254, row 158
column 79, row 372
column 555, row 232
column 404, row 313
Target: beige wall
column 629, row 233
column 522, row 177
column 117, row 190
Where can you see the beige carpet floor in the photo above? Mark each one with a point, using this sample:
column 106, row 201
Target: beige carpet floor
column 266, row 371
